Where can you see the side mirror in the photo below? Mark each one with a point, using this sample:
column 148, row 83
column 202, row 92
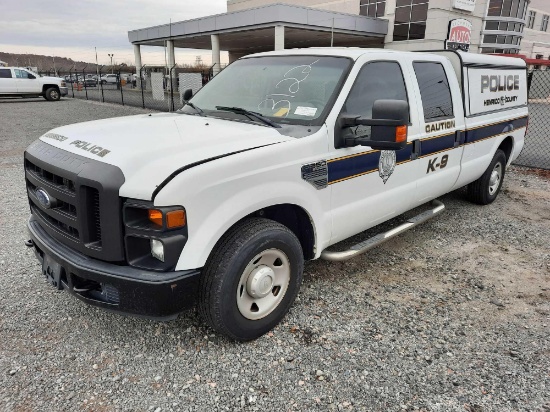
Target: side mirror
column 187, row 94
column 389, row 122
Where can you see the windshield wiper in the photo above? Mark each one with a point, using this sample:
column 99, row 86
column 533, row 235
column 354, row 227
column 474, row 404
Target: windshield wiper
column 249, row 114
column 197, row 109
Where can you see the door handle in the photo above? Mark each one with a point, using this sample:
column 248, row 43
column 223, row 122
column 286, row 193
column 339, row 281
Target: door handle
column 415, row 154
column 459, row 137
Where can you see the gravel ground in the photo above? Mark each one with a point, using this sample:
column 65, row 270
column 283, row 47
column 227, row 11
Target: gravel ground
column 452, row 316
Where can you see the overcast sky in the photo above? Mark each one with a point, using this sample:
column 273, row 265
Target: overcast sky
column 73, row 28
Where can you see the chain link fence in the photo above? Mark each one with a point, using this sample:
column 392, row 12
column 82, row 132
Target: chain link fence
column 150, row 88
column 536, row 152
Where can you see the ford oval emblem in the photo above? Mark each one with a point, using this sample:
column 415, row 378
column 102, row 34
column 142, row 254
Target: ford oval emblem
column 43, row 198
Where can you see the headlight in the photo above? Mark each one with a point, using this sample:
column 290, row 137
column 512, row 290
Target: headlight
column 63, row 84
column 154, row 236
column 157, row 249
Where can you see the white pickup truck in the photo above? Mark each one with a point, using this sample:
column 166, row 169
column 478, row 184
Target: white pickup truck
column 277, row 159
column 21, row 82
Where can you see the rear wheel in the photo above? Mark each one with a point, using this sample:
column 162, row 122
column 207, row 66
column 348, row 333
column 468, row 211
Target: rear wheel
column 486, row 189
column 251, row 279
column 52, row 94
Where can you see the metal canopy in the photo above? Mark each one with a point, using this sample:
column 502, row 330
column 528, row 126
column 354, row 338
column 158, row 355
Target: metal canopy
column 252, row 30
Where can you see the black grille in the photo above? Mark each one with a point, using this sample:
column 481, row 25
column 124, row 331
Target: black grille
column 62, row 214
column 53, row 222
column 96, row 214
column 47, row 177
column 85, row 209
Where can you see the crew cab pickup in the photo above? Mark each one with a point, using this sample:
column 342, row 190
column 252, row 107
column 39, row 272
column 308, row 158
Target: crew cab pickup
column 281, row 156
column 21, row 82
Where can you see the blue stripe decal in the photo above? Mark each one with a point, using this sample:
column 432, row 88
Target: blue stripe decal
column 485, row 132
column 429, row 146
column 360, row 164
column 349, row 167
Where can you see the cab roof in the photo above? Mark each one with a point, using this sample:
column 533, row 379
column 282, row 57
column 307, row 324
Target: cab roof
column 356, row 52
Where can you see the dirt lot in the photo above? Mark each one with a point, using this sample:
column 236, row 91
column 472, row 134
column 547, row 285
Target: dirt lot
column 451, row 316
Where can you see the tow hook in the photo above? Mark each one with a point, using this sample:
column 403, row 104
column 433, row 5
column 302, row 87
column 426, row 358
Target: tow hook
column 29, row 243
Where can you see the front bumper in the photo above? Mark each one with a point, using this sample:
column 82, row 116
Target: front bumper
column 63, row 91
column 125, row 289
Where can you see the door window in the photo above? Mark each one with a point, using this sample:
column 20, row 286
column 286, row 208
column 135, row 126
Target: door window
column 376, row 80
column 434, row 90
column 5, row 73
column 23, row 74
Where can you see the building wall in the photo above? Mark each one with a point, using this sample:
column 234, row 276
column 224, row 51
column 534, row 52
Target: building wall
column 536, row 42
column 440, row 13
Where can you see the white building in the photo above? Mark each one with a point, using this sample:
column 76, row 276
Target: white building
column 249, row 26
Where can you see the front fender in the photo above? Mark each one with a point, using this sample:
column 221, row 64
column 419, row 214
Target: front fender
column 218, row 194
column 205, row 232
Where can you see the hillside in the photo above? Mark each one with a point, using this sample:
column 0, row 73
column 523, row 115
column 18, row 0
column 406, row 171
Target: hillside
column 45, row 63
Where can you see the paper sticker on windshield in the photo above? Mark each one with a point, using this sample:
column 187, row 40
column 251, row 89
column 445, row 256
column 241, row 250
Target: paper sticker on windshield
column 283, row 111
column 305, row 111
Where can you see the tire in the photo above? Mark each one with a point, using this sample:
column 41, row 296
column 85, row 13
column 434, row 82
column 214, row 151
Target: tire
column 257, row 262
column 486, row 189
column 52, row 94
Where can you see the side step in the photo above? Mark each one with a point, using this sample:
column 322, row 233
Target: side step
column 374, row 241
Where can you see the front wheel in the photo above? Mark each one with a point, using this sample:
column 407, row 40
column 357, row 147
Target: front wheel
column 486, row 189
column 52, row 94
column 251, row 279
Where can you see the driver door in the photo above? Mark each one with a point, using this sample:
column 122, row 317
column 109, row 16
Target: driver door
column 371, row 186
column 26, row 82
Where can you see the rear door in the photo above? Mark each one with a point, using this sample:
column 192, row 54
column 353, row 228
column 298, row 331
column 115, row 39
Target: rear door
column 442, row 119
column 26, row 82
column 7, row 82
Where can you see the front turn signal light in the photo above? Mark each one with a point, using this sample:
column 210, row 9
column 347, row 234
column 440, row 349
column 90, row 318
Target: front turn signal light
column 401, row 134
column 155, row 216
column 175, row 218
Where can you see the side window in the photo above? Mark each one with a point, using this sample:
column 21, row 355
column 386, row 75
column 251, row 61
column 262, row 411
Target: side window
column 376, row 80
column 434, row 90
column 20, row 74
column 5, row 73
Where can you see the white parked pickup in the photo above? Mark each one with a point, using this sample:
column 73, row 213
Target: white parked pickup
column 18, row 81
column 281, row 156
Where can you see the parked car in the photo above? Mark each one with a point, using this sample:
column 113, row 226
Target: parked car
column 219, row 205
column 18, row 81
column 109, row 79
column 90, row 82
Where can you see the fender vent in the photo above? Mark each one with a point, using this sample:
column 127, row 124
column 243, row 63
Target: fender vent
column 316, row 174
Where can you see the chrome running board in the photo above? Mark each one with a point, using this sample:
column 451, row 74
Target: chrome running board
column 374, row 241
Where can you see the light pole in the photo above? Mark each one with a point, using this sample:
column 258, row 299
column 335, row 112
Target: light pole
column 111, row 56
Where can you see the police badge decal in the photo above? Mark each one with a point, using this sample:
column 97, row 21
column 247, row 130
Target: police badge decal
column 386, row 165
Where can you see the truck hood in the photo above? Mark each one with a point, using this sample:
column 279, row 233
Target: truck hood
column 150, row 147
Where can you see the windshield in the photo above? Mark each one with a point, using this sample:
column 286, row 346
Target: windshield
column 285, row 89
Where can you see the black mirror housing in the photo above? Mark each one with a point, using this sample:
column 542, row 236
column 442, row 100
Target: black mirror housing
column 389, row 122
column 187, row 94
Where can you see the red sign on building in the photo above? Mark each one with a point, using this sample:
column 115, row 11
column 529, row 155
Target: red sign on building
column 459, row 35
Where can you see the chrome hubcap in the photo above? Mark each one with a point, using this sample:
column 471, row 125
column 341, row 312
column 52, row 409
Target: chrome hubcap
column 494, row 180
column 263, row 284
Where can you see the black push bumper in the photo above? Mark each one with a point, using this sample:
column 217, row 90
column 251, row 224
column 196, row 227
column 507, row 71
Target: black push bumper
column 125, row 289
